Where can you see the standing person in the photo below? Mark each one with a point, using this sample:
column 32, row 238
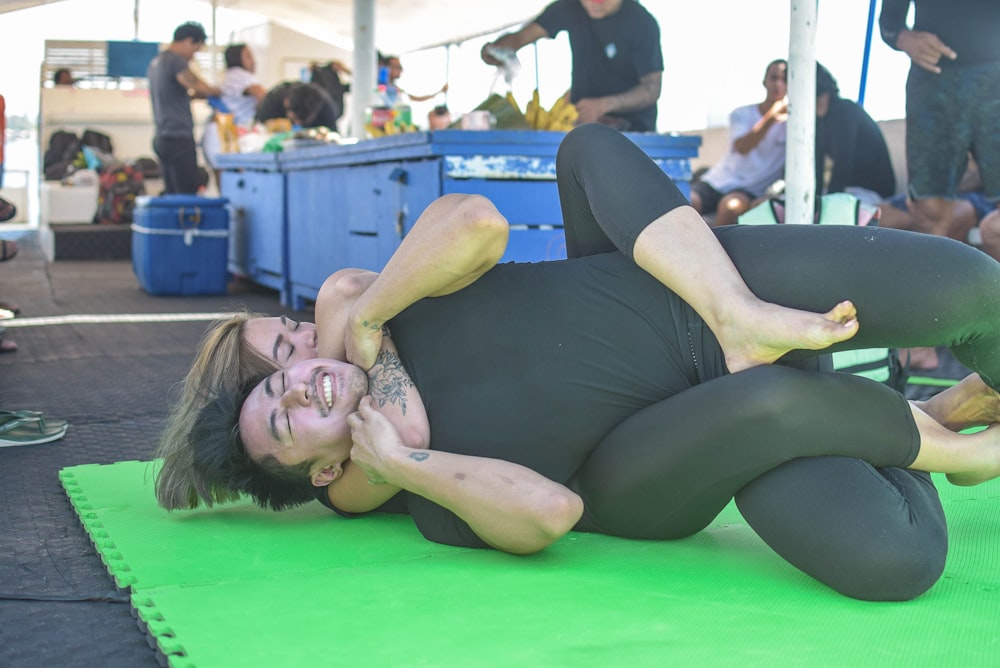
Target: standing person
column 241, row 93
column 756, row 155
column 393, row 70
column 617, row 60
column 851, row 155
column 171, row 85
column 952, row 101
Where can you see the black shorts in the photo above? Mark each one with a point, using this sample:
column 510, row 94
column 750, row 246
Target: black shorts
column 949, row 115
column 710, row 197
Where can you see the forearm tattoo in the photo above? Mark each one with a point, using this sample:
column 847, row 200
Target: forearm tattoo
column 389, row 381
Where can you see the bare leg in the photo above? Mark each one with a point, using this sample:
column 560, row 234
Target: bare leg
column 923, row 358
column 989, row 227
column 683, row 253
column 934, row 215
column 731, row 207
column 601, row 214
column 970, row 403
column 894, row 218
column 967, row 459
column 696, row 201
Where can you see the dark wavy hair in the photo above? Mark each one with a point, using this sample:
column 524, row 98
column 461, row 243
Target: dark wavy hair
column 193, row 30
column 825, row 83
column 313, row 107
column 222, row 460
column 234, row 55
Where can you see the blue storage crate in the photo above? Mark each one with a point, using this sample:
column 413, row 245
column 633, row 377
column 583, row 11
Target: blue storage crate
column 180, row 244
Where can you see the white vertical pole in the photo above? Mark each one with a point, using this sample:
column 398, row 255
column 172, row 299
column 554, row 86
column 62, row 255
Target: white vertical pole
column 800, row 151
column 363, row 82
column 216, row 75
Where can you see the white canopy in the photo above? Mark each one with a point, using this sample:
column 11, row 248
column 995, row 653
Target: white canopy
column 403, row 25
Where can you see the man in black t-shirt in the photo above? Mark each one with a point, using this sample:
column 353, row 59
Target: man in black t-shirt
column 617, row 60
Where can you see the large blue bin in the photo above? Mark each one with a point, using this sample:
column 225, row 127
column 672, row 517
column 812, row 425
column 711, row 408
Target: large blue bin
column 180, row 244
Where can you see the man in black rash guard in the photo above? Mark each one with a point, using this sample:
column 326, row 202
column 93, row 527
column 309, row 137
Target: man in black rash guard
column 590, row 373
column 952, row 105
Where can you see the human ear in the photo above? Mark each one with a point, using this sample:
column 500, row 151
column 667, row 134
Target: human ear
column 325, row 476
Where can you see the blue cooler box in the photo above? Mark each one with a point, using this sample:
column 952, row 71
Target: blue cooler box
column 180, row 244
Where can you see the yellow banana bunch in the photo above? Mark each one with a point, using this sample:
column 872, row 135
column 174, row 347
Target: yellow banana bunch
column 531, row 109
column 513, row 102
column 388, row 129
column 561, row 117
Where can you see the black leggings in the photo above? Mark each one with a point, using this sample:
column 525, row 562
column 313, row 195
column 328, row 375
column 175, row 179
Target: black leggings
column 869, row 530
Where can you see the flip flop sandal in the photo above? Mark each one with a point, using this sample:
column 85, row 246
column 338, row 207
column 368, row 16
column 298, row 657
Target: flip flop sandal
column 29, row 428
column 6, row 346
column 8, row 249
column 7, row 210
column 9, row 306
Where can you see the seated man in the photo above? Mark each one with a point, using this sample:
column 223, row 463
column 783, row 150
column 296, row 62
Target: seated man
column 756, row 155
column 970, row 208
column 851, row 155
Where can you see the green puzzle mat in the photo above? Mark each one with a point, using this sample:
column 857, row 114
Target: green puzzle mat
column 237, row 586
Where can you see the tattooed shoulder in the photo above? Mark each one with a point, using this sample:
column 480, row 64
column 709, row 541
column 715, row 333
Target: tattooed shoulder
column 389, row 381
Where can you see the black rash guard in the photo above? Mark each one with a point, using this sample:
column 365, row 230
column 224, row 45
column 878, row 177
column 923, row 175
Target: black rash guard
column 590, row 372
column 967, row 26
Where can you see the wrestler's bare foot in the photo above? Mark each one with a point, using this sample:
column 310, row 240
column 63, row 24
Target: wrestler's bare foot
column 990, row 438
column 775, row 330
column 970, row 403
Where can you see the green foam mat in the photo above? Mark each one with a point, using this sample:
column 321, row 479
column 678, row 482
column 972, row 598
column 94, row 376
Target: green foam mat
column 238, row 586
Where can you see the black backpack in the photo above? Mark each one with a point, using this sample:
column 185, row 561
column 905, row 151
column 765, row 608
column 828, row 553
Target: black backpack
column 327, row 78
column 98, row 140
column 60, row 156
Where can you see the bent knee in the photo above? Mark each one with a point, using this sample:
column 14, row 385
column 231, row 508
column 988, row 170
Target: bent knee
column 885, row 572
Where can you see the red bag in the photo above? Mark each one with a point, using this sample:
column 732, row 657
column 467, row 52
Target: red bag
column 119, row 186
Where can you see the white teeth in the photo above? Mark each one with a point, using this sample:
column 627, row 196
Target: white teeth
column 328, row 390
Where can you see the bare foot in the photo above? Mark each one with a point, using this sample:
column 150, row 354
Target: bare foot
column 970, row 403
column 777, row 330
column 990, row 469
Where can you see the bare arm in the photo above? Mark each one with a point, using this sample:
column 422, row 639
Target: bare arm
column 424, row 98
column 256, row 91
column 509, row 506
column 456, row 240
column 776, row 113
column 644, row 95
column 513, row 40
column 197, row 87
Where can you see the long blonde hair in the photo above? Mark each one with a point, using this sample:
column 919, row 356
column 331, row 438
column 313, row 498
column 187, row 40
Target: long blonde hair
column 224, row 363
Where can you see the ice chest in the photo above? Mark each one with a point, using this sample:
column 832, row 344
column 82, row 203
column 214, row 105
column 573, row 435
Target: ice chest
column 180, row 244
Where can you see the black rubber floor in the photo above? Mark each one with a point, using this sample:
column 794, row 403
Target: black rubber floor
column 112, row 382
